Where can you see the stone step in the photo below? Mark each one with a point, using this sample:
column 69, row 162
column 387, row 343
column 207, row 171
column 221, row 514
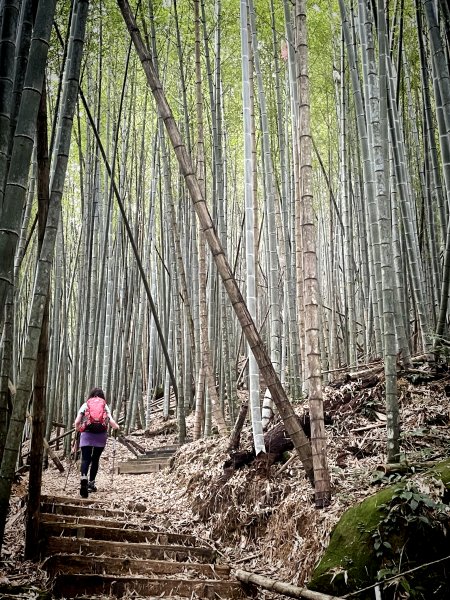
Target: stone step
column 116, row 534
column 70, row 586
column 72, row 545
column 77, row 563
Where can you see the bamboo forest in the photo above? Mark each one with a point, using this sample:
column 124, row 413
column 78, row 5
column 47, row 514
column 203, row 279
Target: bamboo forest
column 225, row 225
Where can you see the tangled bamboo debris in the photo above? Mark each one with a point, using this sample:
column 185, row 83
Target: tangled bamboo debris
column 167, row 428
column 368, row 427
column 287, row 464
column 132, row 446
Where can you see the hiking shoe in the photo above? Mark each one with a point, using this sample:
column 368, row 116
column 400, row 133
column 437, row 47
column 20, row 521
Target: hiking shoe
column 84, row 493
column 92, row 487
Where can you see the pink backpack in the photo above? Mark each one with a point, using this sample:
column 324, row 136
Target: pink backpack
column 95, row 418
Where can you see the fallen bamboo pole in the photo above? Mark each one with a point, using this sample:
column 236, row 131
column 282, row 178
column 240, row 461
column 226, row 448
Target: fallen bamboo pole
column 282, row 588
column 53, row 456
column 404, row 467
column 51, row 453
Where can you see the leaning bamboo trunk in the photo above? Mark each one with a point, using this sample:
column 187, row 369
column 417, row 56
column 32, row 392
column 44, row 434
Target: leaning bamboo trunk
column 442, row 86
column 272, row 380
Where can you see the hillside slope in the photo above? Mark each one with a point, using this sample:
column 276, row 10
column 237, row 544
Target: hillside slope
column 260, row 520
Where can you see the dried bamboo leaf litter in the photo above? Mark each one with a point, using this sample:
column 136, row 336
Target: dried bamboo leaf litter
column 265, row 522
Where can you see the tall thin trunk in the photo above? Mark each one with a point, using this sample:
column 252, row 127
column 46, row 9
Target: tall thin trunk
column 380, row 139
column 253, row 373
column 311, row 293
column 40, row 378
column 442, row 91
column 273, row 259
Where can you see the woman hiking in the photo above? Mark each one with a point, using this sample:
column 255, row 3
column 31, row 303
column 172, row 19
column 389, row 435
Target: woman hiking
column 92, row 421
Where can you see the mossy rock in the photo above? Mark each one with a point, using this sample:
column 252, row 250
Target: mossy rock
column 351, row 563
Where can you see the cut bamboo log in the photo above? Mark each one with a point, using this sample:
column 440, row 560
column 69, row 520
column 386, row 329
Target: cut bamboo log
column 54, row 457
column 405, row 467
column 365, row 374
column 368, row 427
column 164, row 430
column 131, row 445
column 281, row 588
column 51, row 452
column 122, row 440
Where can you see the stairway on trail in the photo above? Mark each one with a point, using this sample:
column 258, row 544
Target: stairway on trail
column 91, row 549
column 146, row 461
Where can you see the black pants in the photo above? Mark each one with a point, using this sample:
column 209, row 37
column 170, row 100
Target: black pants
column 90, row 455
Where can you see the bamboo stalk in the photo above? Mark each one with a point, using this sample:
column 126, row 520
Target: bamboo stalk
column 281, row 588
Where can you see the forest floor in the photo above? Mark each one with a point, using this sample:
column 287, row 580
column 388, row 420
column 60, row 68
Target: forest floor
column 263, row 522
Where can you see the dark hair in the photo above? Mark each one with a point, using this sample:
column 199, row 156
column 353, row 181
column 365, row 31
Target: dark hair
column 96, row 393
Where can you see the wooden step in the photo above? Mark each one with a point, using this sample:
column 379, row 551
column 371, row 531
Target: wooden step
column 140, row 465
column 70, row 519
column 162, row 451
column 116, row 534
column 70, row 586
column 149, row 460
column 66, row 500
column 90, row 553
column 80, row 510
column 76, row 563
column 94, row 522
column 71, row 545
